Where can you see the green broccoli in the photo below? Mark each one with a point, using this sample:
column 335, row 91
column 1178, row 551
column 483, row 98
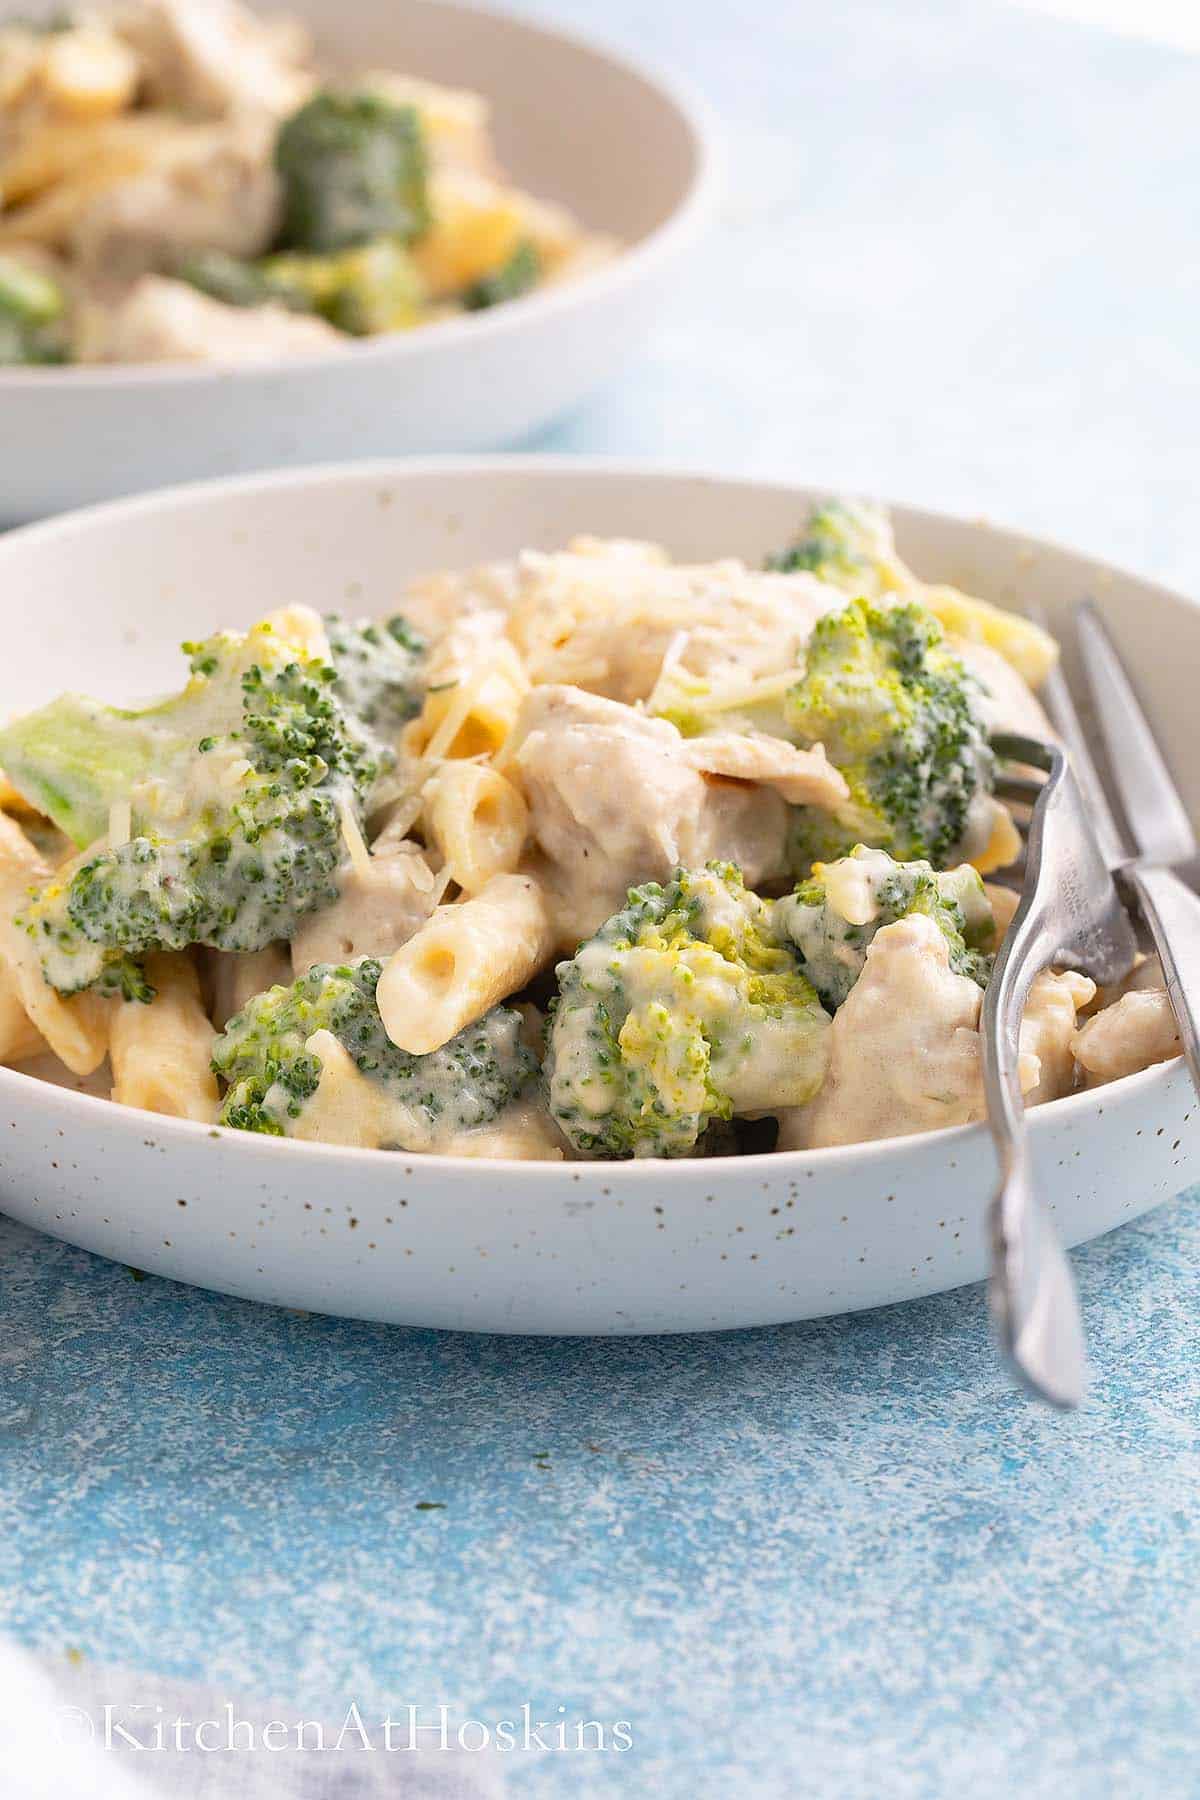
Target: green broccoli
column 236, row 282
column 900, row 717
column 237, row 790
column 517, row 276
column 834, row 915
column 380, row 679
column 847, row 543
column 32, row 311
column 371, row 288
column 353, row 169
column 684, row 1009
column 264, row 1056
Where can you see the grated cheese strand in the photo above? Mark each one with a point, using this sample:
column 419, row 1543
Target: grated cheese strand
column 360, row 856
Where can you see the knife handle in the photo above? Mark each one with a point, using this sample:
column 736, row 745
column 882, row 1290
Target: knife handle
column 1172, row 912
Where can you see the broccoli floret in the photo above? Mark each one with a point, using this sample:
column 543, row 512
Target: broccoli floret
column 263, row 1054
column 32, row 310
column 900, row 717
column 353, row 169
column 237, row 789
column 380, row 679
column 517, row 276
column 682, row 1010
column 832, row 917
column 847, row 543
column 236, row 282
column 372, row 288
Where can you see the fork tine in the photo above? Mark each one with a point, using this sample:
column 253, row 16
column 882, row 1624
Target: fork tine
column 1021, row 788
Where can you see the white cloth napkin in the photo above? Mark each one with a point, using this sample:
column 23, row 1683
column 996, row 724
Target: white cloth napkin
column 65, row 1731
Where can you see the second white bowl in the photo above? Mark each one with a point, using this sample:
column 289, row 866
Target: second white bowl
column 573, row 123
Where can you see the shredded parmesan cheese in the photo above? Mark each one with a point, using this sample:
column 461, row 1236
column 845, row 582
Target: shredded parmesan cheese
column 406, row 814
column 360, row 856
column 421, row 875
column 440, row 883
column 456, row 716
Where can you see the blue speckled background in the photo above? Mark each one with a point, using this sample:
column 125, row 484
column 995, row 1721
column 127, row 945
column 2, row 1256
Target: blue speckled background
column 960, row 263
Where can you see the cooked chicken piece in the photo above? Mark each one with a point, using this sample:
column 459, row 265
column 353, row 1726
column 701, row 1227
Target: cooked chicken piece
column 1008, row 704
column 605, row 623
column 1137, row 1030
column 1048, row 1028
column 905, row 1052
column 234, row 977
column 904, row 1047
column 614, row 801
column 214, row 187
column 802, row 777
column 378, row 909
column 211, row 58
column 1147, row 972
column 167, row 321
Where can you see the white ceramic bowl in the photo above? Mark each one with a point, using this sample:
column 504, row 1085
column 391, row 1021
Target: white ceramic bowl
column 597, row 1247
column 573, row 122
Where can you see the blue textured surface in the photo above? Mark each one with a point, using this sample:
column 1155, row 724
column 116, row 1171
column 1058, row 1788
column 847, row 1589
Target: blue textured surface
column 959, row 263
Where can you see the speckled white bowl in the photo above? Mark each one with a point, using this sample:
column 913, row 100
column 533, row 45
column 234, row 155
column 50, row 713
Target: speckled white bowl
column 574, row 122
column 100, row 600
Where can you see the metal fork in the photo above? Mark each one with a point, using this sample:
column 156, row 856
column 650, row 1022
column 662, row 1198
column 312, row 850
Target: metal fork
column 1079, row 873
column 1071, row 913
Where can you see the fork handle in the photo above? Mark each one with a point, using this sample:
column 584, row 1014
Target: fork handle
column 1031, row 1294
column 1172, row 912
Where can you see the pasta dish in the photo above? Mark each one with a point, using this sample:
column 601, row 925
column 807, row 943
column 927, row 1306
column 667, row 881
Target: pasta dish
column 180, row 182
column 585, row 854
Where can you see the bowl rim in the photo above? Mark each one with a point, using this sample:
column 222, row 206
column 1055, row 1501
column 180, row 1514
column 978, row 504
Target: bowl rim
column 16, row 1083
column 632, row 262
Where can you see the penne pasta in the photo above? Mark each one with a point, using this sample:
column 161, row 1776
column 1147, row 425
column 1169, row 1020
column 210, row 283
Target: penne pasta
column 346, row 1108
column 162, row 1052
column 465, row 960
column 478, row 821
column 19, row 1039
column 472, row 714
column 75, row 1028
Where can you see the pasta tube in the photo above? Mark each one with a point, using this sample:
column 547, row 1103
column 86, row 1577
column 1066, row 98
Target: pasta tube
column 76, row 1029
column 478, row 820
column 466, row 959
column 19, row 1039
column 474, row 715
column 161, row 1053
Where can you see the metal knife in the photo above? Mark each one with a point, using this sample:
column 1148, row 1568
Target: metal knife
column 1157, row 822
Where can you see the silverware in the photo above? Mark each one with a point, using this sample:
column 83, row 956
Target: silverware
column 1079, row 873
column 1158, row 826
column 1070, row 913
